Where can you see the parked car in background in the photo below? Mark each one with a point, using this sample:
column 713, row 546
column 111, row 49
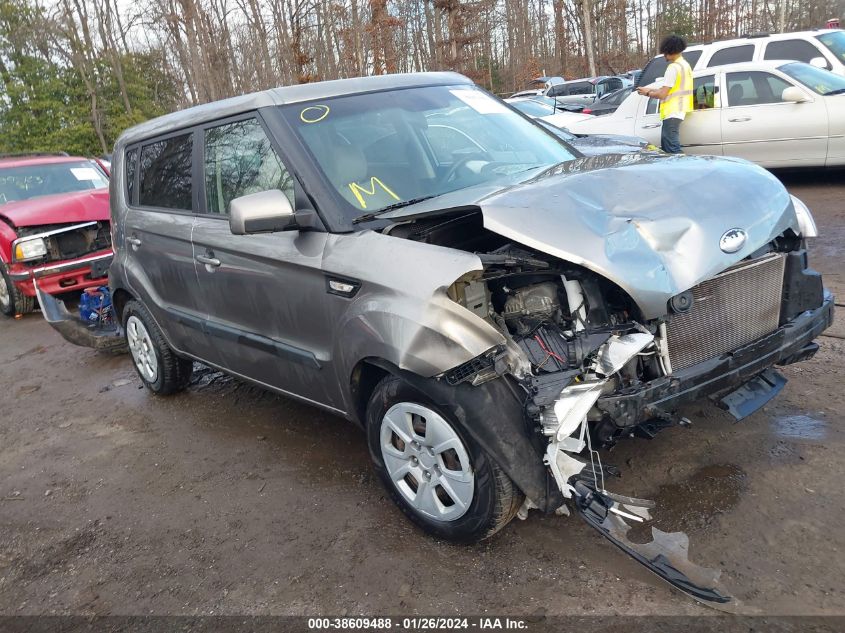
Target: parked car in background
column 539, row 108
column 608, row 103
column 540, row 86
column 598, row 144
column 54, row 227
column 586, row 91
column 822, row 48
column 409, row 253
column 775, row 114
column 633, row 75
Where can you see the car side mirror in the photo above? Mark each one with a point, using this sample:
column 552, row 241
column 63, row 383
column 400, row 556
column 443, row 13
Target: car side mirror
column 819, row 62
column 794, row 94
column 262, row 212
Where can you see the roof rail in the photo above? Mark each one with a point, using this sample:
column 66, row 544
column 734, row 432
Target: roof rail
column 32, row 154
column 757, row 34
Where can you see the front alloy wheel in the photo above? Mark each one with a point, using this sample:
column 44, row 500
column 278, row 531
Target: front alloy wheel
column 426, row 461
column 432, row 467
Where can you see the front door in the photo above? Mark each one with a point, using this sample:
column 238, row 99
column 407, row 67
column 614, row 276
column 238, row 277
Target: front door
column 264, row 294
column 701, row 129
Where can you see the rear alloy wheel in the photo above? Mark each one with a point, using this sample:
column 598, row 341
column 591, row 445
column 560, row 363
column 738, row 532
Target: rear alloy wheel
column 12, row 300
column 158, row 366
column 435, row 472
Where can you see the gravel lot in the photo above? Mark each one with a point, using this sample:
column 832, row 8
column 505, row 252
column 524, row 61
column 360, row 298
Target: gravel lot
column 229, row 500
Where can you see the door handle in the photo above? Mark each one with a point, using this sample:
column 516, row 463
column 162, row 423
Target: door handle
column 651, row 125
column 208, row 261
column 134, row 241
column 740, row 119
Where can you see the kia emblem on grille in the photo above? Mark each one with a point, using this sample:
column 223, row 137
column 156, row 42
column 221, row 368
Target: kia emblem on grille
column 732, row 240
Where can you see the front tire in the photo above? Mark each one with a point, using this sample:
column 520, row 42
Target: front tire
column 433, row 469
column 158, row 366
column 12, row 300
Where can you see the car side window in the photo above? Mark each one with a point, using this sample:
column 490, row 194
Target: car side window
column 653, row 105
column 165, row 172
column 239, row 160
column 582, row 88
column 131, row 171
column 704, row 92
column 754, row 88
column 798, row 50
column 732, row 55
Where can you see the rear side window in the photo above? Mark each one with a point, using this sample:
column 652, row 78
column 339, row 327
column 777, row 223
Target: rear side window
column 732, row 55
column 166, row 174
column 581, row 88
column 131, row 171
column 796, row 50
column 239, row 160
column 754, row 88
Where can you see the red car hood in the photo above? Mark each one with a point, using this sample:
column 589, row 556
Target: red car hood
column 79, row 206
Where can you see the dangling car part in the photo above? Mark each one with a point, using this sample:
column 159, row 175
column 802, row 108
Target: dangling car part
column 102, row 333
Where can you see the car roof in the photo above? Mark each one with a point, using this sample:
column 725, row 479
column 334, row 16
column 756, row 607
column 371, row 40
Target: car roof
column 751, row 39
column 35, row 159
column 285, row 95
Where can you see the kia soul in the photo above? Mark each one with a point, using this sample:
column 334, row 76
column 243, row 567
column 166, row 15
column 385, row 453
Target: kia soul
column 412, row 254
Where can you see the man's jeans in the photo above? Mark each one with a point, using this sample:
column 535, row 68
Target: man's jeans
column 670, row 136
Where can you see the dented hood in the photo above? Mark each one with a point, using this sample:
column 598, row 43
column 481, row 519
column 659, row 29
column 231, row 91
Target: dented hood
column 650, row 223
column 78, row 206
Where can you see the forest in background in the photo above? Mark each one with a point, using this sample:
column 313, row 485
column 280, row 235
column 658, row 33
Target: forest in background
column 76, row 73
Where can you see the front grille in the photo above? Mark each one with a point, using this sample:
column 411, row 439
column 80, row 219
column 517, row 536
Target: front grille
column 734, row 308
column 63, row 244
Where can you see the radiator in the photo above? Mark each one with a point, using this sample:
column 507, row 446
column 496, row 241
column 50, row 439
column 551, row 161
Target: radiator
column 734, row 308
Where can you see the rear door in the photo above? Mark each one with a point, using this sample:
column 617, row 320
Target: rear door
column 758, row 125
column 265, row 293
column 159, row 255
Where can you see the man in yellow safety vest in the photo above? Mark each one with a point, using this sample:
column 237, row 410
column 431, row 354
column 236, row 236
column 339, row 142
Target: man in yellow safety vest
column 675, row 94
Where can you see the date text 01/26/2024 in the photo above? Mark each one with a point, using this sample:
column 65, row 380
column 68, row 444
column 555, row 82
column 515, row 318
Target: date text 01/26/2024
column 417, row 623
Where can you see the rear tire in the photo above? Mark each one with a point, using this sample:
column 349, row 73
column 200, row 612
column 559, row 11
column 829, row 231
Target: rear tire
column 457, row 493
column 12, row 300
column 158, row 366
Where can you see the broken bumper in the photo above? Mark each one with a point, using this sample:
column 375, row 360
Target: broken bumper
column 57, row 277
column 790, row 343
column 75, row 330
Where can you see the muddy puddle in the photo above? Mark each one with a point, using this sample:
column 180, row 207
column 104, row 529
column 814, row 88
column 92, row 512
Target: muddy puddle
column 799, row 427
column 692, row 505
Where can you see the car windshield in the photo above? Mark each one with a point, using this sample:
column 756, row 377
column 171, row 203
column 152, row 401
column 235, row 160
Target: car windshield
column 386, row 149
column 533, row 108
column 835, row 41
column 32, row 181
column 818, row 80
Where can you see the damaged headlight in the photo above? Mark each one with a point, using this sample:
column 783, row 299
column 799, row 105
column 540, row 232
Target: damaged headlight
column 29, row 249
column 806, row 223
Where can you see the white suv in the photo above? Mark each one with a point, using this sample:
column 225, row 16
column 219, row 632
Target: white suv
column 824, row 48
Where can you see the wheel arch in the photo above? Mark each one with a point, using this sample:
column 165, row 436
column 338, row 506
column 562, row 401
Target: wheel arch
column 493, row 413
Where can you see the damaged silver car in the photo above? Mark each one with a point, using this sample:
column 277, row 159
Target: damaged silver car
column 493, row 308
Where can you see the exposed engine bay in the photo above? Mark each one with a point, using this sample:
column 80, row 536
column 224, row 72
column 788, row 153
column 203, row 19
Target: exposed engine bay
column 574, row 337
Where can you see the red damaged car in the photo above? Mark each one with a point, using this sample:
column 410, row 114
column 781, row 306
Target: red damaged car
column 54, row 228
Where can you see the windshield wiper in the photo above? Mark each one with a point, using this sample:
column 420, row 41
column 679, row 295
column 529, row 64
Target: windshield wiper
column 838, row 91
column 398, row 205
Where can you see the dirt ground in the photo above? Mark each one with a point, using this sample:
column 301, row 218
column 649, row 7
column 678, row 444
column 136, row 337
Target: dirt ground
column 229, row 500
